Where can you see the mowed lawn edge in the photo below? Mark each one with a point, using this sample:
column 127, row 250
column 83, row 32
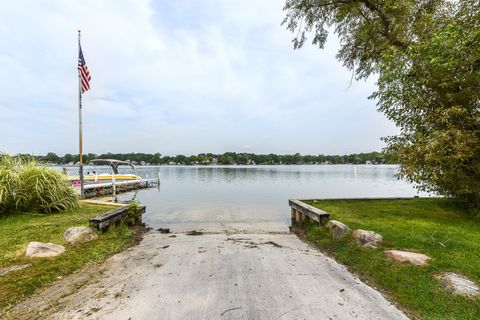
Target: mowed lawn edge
column 17, row 230
column 436, row 227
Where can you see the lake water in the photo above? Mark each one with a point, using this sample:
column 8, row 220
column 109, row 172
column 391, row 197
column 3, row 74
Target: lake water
column 254, row 198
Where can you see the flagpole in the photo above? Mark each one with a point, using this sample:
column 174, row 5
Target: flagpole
column 80, row 123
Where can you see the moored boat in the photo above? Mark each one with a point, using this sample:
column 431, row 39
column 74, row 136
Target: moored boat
column 114, row 175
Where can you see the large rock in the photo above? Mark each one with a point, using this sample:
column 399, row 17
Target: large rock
column 76, row 235
column 367, row 238
column 43, row 250
column 337, row 229
column 458, row 284
column 414, row 258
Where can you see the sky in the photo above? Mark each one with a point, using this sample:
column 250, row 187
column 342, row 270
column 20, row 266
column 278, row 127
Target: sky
column 176, row 77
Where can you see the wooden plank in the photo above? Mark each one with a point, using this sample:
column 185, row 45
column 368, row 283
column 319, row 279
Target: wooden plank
column 366, row 198
column 313, row 213
column 110, row 218
column 104, row 203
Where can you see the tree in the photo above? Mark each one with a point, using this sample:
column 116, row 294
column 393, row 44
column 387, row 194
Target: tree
column 226, row 158
column 427, row 57
column 67, row 158
column 52, row 157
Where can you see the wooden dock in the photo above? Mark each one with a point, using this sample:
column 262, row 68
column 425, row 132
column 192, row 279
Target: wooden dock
column 300, row 210
column 116, row 187
column 104, row 221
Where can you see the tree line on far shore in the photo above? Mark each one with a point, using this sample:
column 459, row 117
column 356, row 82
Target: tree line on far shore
column 227, row 158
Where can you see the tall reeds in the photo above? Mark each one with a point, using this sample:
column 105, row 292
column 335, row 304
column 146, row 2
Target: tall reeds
column 26, row 185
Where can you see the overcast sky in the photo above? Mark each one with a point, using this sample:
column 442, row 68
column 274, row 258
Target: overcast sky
column 175, row 77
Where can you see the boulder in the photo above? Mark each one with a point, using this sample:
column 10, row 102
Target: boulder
column 367, row 238
column 43, row 250
column 337, row 229
column 76, row 235
column 458, row 284
column 414, row 258
column 7, row 270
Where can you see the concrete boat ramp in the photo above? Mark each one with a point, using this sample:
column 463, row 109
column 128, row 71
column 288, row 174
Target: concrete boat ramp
column 212, row 276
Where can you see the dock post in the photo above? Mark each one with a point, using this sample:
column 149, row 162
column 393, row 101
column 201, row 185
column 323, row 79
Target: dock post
column 158, row 177
column 298, row 217
column 114, row 189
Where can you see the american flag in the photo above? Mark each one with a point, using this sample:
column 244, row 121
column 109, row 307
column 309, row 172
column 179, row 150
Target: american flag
column 83, row 70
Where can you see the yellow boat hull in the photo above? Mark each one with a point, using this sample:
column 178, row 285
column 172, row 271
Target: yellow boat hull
column 108, row 177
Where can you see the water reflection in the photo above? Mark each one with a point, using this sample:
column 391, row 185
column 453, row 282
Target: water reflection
column 254, row 198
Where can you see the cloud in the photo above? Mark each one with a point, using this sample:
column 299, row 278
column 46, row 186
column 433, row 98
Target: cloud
column 175, row 77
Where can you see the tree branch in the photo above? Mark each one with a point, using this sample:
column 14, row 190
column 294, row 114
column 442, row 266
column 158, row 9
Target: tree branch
column 386, row 32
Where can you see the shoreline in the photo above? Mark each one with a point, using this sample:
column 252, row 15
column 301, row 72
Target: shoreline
column 166, row 267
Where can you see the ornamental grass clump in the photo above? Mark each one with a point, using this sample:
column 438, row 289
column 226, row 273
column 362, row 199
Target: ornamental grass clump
column 27, row 186
column 9, row 199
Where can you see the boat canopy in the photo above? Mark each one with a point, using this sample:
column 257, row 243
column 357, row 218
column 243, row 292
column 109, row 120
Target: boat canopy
column 112, row 163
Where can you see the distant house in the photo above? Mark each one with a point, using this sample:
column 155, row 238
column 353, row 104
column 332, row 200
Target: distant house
column 368, row 162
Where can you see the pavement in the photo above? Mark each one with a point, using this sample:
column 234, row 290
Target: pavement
column 212, row 276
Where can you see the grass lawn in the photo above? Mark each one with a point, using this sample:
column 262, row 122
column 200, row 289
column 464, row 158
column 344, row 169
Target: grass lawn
column 16, row 231
column 435, row 227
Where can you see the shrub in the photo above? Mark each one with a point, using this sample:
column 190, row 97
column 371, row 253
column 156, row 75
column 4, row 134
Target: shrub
column 134, row 214
column 27, row 186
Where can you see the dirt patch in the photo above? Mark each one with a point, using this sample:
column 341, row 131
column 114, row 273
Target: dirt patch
column 248, row 243
column 238, row 239
column 194, row 233
column 276, row 245
column 139, row 233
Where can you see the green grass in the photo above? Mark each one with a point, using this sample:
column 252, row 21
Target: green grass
column 435, row 227
column 17, row 230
